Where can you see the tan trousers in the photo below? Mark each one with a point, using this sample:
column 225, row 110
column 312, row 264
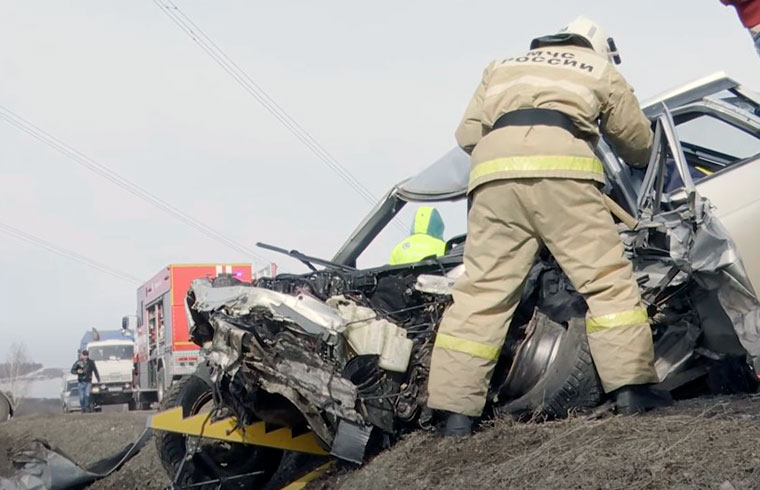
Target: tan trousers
column 508, row 221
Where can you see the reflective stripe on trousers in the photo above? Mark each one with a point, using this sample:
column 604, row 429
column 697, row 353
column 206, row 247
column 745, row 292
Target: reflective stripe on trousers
column 476, row 349
column 614, row 320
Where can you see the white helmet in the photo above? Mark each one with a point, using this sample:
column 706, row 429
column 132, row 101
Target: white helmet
column 583, row 31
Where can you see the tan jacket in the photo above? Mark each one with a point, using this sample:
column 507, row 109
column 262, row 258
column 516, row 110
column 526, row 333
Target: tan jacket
column 573, row 80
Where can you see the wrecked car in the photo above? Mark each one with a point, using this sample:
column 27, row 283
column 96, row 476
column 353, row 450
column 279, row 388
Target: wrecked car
column 344, row 352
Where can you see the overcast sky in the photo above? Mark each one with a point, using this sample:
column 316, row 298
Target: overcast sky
column 381, row 85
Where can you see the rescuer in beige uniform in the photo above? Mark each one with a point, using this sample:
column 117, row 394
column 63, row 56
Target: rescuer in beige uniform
column 531, row 129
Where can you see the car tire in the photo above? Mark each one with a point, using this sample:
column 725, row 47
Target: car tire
column 189, row 392
column 5, row 408
column 569, row 384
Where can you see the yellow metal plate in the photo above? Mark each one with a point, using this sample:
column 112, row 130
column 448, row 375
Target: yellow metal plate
column 282, row 438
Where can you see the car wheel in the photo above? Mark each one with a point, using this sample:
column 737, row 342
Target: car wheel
column 553, row 372
column 194, row 396
column 5, row 408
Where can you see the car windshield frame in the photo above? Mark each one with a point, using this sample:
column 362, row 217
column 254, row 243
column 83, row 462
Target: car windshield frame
column 446, row 179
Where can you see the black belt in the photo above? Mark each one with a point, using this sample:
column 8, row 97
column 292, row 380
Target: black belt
column 533, row 117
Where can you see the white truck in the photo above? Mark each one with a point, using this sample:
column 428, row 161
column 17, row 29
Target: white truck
column 114, row 360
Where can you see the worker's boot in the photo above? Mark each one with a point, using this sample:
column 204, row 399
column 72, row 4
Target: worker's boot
column 637, row 399
column 457, row 425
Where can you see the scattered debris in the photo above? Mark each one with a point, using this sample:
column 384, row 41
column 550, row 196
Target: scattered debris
column 38, row 466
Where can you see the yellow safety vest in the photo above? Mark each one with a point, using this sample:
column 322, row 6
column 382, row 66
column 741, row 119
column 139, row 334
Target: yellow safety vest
column 416, row 248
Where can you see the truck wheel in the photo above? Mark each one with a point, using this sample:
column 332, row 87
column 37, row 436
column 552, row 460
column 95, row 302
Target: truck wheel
column 560, row 383
column 231, row 459
column 132, row 405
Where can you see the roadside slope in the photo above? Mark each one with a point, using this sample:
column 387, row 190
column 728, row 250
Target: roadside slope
column 696, row 444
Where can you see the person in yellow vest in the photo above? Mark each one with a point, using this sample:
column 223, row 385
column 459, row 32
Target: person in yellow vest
column 531, row 129
column 425, row 241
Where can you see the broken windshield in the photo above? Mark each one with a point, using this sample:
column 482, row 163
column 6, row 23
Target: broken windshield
column 378, row 252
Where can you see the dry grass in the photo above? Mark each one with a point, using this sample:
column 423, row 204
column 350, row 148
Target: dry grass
column 697, row 444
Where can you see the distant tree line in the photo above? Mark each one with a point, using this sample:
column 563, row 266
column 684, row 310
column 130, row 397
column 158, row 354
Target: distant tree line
column 8, row 370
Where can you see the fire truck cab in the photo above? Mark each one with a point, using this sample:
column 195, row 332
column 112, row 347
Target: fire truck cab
column 163, row 350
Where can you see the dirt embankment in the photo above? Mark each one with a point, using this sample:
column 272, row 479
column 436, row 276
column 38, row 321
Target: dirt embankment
column 708, row 444
column 86, row 438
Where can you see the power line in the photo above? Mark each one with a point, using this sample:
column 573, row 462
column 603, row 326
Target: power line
column 113, row 177
column 51, row 247
column 249, row 85
column 245, row 81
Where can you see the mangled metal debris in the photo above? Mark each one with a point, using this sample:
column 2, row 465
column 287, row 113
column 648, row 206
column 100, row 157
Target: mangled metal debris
column 39, row 466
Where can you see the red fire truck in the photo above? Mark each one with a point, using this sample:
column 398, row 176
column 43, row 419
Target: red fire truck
column 163, row 351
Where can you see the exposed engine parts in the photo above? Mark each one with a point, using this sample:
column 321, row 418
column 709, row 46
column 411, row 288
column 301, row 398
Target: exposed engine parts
column 346, row 353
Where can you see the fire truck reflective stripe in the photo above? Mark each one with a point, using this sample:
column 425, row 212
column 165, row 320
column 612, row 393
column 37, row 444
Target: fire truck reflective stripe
column 227, row 430
column 218, row 270
column 228, row 269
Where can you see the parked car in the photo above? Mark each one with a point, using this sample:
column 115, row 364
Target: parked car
column 345, row 352
column 70, row 394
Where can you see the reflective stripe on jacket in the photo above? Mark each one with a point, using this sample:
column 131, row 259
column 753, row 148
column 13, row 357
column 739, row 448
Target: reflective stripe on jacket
column 573, row 80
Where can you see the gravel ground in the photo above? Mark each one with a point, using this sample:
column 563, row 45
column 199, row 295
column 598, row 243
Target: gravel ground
column 708, row 443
